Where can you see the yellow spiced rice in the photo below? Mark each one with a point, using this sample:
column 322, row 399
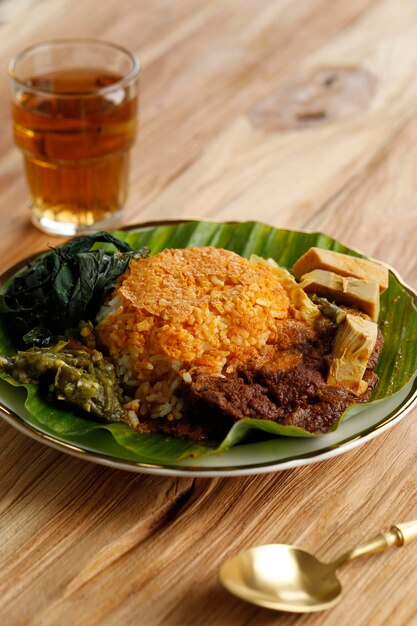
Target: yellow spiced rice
column 184, row 312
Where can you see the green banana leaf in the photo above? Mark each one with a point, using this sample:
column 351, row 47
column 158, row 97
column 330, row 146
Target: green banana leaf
column 397, row 364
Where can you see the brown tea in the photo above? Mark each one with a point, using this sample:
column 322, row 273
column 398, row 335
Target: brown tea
column 75, row 141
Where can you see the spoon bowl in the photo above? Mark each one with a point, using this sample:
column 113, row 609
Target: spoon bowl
column 281, row 577
column 285, row 578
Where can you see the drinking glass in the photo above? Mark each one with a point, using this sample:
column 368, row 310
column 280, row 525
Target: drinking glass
column 74, row 119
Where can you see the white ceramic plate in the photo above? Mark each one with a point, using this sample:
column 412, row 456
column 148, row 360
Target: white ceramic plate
column 254, row 458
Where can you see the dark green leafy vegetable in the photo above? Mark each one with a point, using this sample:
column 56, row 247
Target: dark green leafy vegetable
column 58, row 289
column 80, row 377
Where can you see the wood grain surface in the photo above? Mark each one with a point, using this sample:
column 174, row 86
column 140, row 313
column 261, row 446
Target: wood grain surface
column 303, row 115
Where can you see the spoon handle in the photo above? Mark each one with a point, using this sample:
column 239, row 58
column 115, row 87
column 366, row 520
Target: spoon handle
column 398, row 535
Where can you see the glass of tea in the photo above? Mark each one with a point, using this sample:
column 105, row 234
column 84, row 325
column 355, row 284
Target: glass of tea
column 74, row 118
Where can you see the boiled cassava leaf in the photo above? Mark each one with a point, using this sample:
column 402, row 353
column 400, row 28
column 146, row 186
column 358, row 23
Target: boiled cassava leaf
column 58, row 289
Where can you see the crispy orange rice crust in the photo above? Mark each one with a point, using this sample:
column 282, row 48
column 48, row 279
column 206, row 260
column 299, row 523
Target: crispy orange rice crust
column 188, row 311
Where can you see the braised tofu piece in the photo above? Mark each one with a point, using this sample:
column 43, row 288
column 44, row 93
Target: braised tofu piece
column 342, row 264
column 363, row 294
column 352, row 349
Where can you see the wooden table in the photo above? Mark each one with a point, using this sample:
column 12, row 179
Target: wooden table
column 301, row 114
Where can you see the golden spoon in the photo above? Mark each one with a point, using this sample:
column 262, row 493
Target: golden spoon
column 286, row 578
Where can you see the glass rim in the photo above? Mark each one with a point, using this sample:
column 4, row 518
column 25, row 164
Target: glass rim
column 131, row 74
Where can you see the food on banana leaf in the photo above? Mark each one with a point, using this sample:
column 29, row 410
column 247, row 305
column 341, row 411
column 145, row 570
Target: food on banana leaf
column 192, row 340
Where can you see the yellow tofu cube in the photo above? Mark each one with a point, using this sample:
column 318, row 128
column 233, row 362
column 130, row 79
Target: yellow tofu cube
column 342, row 264
column 363, row 294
